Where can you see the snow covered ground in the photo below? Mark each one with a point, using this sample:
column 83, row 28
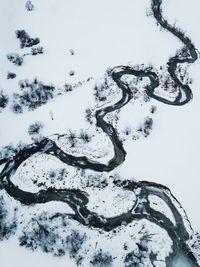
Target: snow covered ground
column 103, row 34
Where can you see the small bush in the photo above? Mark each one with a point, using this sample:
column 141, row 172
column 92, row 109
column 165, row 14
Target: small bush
column 29, row 6
column 102, row 259
column 37, row 50
column 16, row 108
column 148, row 124
column 153, row 109
column 3, row 100
column 35, row 128
column 85, row 136
column 15, row 58
column 72, row 138
column 11, row 75
column 96, row 181
column 89, row 115
column 74, row 244
column 7, row 225
column 71, row 73
column 127, row 131
column 133, row 259
column 68, row 87
column 72, row 52
column 62, row 173
column 101, row 91
column 25, row 39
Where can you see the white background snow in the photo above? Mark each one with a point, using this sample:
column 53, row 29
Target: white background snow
column 104, row 34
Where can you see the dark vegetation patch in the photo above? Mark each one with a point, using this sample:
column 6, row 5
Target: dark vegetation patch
column 29, row 6
column 33, row 95
column 25, row 40
column 8, row 225
column 3, row 100
column 11, row 75
column 15, row 58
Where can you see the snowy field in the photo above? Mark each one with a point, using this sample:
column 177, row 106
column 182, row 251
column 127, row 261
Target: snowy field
column 81, row 40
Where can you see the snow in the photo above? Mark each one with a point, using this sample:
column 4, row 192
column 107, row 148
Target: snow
column 103, row 34
column 12, row 253
column 110, row 201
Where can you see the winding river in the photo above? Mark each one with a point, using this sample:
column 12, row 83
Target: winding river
column 78, row 200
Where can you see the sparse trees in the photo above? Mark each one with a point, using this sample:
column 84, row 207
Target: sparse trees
column 47, row 233
column 142, row 255
column 74, row 243
column 89, row 115
column 101, row 90
column 168, row 84
column 57, row 175
column 134, row 259
column 33, row 94
column 39, row 234
column 53, row 178
column 86, row 137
